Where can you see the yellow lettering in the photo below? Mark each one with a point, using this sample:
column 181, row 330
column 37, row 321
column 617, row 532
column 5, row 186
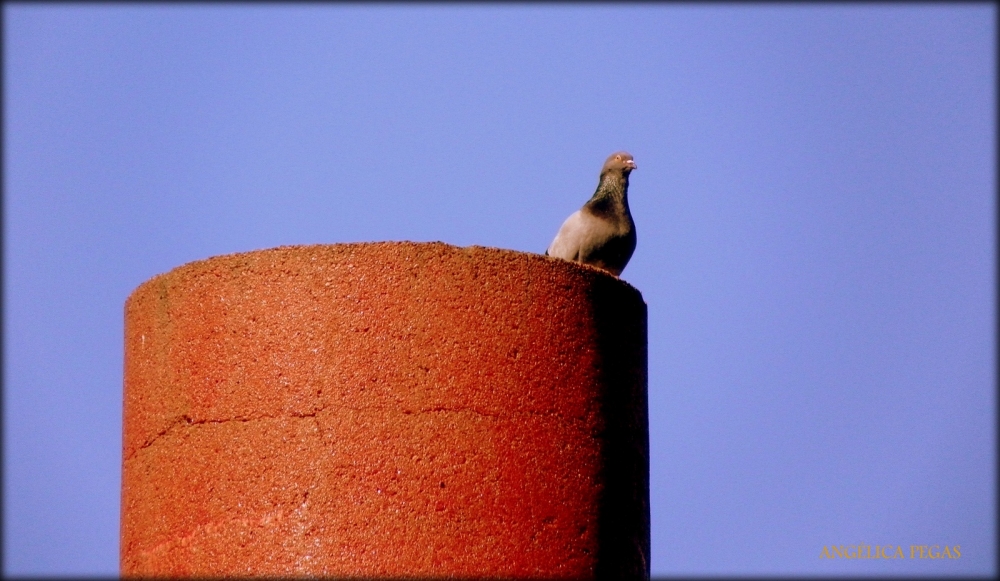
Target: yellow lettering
column 849, row 554
column 947, row 551
column 838, row 550
column 911, row 550
column 899, row 552
column 958, row 554
column 935, row 554
column 923, row 551
column 825, row 554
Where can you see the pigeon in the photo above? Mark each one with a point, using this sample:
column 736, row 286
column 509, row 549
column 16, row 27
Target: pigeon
column 602, row 232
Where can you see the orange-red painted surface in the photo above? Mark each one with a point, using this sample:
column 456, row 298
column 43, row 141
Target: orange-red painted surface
column 385, row 410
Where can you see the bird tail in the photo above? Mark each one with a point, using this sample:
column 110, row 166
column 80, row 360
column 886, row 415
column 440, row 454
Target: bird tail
column 546, row 252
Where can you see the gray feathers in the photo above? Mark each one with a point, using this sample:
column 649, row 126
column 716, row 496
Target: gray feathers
column 602, row 232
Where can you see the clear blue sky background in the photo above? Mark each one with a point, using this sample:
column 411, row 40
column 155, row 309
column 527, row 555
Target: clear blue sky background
column 815, row 202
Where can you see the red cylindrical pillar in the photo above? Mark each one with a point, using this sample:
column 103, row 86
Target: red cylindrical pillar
column 385, row 410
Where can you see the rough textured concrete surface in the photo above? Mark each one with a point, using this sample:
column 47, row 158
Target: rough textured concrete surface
column 385, row 410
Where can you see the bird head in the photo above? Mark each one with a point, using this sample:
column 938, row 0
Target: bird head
column 620, row 161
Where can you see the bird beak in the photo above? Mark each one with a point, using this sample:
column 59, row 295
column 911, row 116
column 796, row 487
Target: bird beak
column 631, row 164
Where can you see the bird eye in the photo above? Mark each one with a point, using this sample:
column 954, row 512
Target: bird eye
column 618, row 157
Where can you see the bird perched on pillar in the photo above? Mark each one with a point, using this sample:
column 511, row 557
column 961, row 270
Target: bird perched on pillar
column 602, row 232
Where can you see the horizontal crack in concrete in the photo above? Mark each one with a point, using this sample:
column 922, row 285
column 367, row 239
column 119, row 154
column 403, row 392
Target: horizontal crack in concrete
column 186, row 421
column 438, row 409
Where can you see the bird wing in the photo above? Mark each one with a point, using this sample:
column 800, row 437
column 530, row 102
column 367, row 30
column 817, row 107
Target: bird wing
column 579, row 235
column 565, row 245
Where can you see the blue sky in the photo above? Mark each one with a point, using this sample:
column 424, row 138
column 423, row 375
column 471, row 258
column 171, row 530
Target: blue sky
column 815, row 204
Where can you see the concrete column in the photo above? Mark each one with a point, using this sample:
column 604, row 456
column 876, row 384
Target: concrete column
column 385, row 410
